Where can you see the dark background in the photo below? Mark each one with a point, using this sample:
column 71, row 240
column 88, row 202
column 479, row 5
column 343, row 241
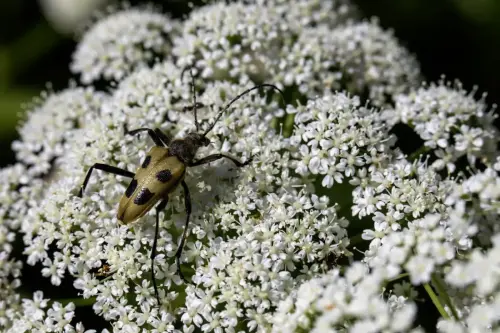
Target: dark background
column 457, row 38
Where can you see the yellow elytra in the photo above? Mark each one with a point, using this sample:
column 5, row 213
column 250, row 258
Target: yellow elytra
column 158, row 175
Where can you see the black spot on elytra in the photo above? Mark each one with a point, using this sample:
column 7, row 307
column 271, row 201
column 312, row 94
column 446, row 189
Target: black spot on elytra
column 164, row 176
column 143, row 196
column 131, row 188
column 146, row 162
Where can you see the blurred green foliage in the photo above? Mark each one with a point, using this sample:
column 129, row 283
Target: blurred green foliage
column 458, row 38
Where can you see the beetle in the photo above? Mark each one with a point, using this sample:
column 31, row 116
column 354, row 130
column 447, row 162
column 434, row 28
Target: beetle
column 163, row 170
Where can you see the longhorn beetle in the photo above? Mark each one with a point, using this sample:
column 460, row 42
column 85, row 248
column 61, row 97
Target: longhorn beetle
column 162, row 170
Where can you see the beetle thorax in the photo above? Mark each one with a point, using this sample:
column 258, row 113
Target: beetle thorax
column 185, row 149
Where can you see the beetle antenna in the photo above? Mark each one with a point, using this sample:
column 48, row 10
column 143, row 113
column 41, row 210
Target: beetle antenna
column 238, row 97
column 194, row 100
column 193, row 94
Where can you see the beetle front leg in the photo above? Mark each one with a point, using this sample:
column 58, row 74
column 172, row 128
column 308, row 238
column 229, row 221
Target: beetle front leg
column 161, row 206
column 187, row 202
column 215, row 157
column 159, row 138
column 106, row 168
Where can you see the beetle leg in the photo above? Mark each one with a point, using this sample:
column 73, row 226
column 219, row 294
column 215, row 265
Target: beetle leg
column 192, row 107
column 215, row 157
column 165, row 138
column 187, row 202
column 160, row 139
column 161, row 206
column 106, row 168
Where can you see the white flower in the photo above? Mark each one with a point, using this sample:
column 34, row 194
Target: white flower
column 475, row 203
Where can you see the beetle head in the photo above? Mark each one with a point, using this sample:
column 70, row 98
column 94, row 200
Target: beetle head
column 198, row 139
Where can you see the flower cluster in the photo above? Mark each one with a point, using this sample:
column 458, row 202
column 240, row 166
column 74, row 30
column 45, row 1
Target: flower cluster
column 359, row 57
column 236, row 41
column 296, row 46
column 451, row 122
column 479, row 278
column 19, row 192
column 310, row 13
column 122, row 42
column 49, row 123
column 349, row 303
column 418, row 248
column 293, row 238
column 37, row 316
column 326, row 227
column 85, row 232
column 338, row 138
column 476, row 198
column 400, row 192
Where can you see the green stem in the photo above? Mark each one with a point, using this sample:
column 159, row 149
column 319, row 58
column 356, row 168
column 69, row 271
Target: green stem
column 288, row 126
column 440, row 286
column 416, row 154
column 400, row 276
column 436, row 301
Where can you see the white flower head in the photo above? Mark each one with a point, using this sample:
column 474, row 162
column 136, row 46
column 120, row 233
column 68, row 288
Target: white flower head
column 126, row 40
column 331, row 301
column 19, row 193
column 359, row 57
column 305, row 13
column 337, row 138
column 232, row 41
column 49, row 124
column 475, row 200
column 37, row 315
column 288, row 242
column 451, row 122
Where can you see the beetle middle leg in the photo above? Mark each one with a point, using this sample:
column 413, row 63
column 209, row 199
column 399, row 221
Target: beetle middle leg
column 187, row 202
column 215, row 157
column 106, row 168
column 161, row 206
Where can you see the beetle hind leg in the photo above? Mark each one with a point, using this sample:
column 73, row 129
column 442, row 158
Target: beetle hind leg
column 161, row 206
column 187, row 202
column 105, row 168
